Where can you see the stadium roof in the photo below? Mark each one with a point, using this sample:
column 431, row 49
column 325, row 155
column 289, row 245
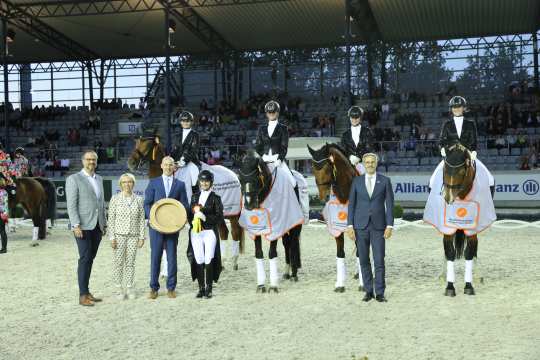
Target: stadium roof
column 53, row 30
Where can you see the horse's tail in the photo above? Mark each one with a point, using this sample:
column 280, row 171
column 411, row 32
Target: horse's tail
column 50, row 191
column 459, row 243
column 42, row 221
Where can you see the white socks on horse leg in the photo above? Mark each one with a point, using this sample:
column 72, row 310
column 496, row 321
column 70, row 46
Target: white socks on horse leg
column 164, row 265
column 261, row 275
column 48, row 223
column 235, row 249
column 222, row 248
column 274, row 273
column 360, row 280
column 35, row 233
column 341, row 272
column 450, row 274
column 468, row 271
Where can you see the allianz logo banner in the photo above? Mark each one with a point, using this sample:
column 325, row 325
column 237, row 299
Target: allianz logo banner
column 508, row 186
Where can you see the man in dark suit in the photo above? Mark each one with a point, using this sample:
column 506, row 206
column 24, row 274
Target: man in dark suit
column 358, row 139
column 371, row 203
column 165, row 186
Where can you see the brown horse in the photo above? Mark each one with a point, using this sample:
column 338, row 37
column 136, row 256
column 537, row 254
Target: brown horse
column 38, row 198
column 150, row 150
column 458, row 177
column 334, row 175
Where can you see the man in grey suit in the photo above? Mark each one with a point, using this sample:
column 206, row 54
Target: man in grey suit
column 371, row 204
column 86, row 211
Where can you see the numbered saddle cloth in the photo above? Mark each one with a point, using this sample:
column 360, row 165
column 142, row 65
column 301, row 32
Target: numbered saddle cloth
column 335, row 215
column 473, row 214
column 279, row 212
column 303, row 194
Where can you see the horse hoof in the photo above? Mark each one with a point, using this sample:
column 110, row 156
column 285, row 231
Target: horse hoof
column 450, row 292
column 235, row 267
column 294, row 278
column 340, row 289
column 356, row 276
column 261, row 289
column 468, row 290
column 361, row 288
column 273, row 289
column 286, row 276
column 34, row 244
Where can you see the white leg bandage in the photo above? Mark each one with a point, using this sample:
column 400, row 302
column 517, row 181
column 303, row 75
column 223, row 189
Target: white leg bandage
column 360, row 280
column 341, row 272
column 450, row 274
column 35, row 233
column 261, row 275
column 468, row 270
column 274, row 273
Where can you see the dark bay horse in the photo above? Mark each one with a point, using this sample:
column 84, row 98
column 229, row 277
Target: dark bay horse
column 458, row 177
column 150, row 150
column 256, row 181
column 334, row 175
column 37, row 197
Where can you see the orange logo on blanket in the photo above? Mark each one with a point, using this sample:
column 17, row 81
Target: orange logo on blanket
column 461, row 212
column 342, row 215
column 254, row 219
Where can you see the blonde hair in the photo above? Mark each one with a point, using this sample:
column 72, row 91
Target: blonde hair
column 89, row 152
column 167, row 158
column 372, row 155
column 126, row 175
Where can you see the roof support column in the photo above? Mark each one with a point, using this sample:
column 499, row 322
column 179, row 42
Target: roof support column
column 348, row 51
column 215, row 85
column 384, row 52
column 369, row 58
column 6, row 84
column 167, row 78
column 83, row 86
column 52, row 88
column 535, row 59
column 90, row 84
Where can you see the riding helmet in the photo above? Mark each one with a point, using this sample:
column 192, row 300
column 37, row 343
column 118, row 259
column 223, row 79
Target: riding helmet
column 271, row 107
column 457, row 101
column 355, row 112
column 206, row 175
column 186, row 116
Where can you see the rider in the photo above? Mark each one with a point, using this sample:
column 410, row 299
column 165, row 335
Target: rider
column 20, row 163
column 273, row 141
column 358, row 139
column 459, row 130
column 187, row 149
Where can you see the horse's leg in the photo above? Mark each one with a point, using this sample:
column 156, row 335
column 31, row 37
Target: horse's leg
column 237, row 244
column 341, row 272
column 294, row 249
column 3, row 237
column 450, row 254
column 223, row 236
column 470, row 254
column 42, row 218
column 286, row 240
column 273, row 260
column 259, row 263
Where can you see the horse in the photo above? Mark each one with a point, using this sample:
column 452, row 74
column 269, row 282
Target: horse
column 38, row 198
column 256, row 182
column 150, row 150
column 334, row 175
column 458, row 177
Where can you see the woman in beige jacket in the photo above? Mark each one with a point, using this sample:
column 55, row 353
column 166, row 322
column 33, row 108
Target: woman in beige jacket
column 127, row 230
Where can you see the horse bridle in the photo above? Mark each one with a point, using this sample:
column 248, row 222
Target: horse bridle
column 333, row 180
column 253, row 173
column 142, row 157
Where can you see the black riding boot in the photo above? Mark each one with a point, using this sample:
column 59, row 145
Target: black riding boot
column 200, row 280
column 3, row 235
column 209, row 280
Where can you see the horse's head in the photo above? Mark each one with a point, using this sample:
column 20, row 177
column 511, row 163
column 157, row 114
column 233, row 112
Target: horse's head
column 146, row 149
column 458, row 173
column 323, row 168
column 255, row 180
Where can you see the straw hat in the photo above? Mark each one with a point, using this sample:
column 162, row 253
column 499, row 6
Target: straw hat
column 167, row 216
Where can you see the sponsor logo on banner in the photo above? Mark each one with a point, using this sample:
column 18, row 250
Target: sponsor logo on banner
column 531, row 187
column 461, row 214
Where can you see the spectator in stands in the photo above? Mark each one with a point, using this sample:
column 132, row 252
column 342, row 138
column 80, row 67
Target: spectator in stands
column 511, row 138
column 203, row 106
column 385, row 112
column 500, row 143
column 522, row 139
column 142, row 104
column 110, row 154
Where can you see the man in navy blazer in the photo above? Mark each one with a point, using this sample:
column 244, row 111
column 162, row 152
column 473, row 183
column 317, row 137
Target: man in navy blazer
column 371, row 204
column 165, row 186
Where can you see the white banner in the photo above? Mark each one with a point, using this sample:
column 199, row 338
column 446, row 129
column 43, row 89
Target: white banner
column 414, row 187
column 126, row 128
